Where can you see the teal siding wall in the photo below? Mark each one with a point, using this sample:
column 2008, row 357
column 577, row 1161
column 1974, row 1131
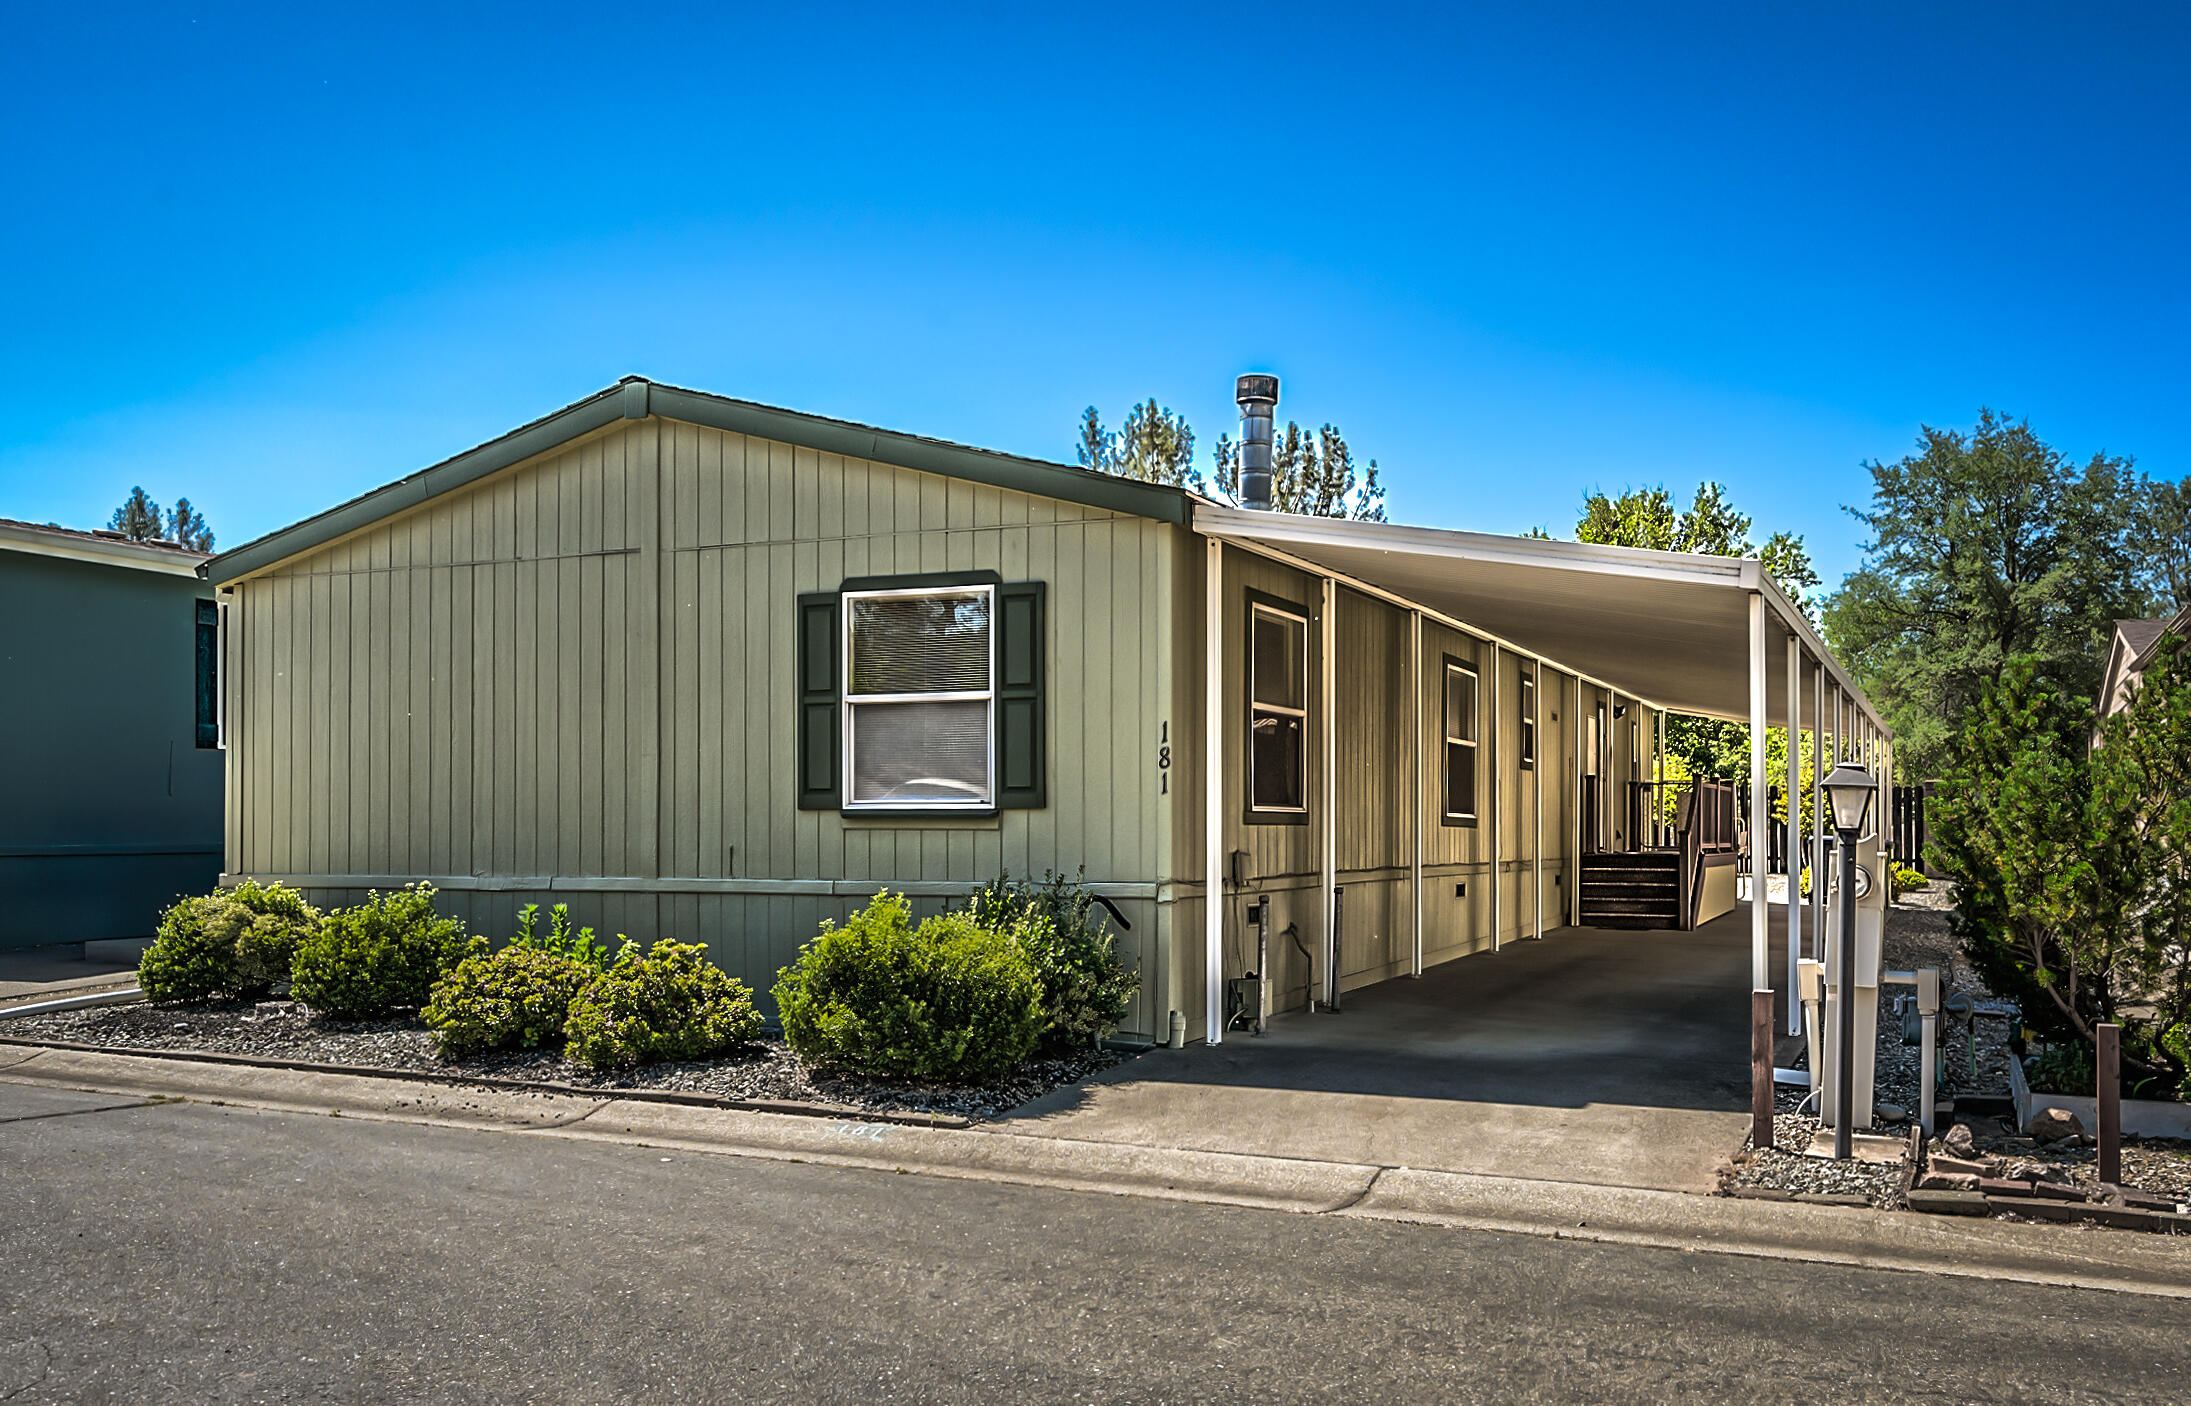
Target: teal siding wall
column 112, row 809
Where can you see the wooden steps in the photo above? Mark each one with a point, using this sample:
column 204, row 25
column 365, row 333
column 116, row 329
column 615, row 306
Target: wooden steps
column 1640, row 890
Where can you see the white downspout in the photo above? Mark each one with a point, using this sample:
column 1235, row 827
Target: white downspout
column 1574, row 798
column 1330, row 826
column 1760, row 818
column 1415, row 868
column 1213, row 788
column 1794, row 845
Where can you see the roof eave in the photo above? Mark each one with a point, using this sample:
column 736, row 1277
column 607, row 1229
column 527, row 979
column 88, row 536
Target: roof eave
column 636, row 398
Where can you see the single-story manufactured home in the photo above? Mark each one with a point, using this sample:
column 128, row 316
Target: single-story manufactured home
column 112, row 760
column 715, row 670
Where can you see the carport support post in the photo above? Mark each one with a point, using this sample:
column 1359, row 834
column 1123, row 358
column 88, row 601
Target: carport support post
column 1818, row 814
column 1213, row 789
column 1330, row 827
column 1415, row 866
column 1536, row 780
column 1794, row 847
column 1761, row 989
column 1498, row 788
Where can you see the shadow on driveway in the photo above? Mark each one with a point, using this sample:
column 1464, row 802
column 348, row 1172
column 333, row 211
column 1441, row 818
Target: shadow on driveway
column 1613, row 1058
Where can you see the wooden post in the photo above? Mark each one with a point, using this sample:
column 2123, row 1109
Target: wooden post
column 2110, row 1097
column 1761, row 1068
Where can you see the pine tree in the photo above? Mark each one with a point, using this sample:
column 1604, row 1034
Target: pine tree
column 186, row 525
column 138, row 518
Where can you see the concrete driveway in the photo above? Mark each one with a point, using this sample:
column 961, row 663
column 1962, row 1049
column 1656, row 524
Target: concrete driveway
column 1610, row 1058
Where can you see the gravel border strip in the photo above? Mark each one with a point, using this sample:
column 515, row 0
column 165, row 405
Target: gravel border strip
column 792, row 1107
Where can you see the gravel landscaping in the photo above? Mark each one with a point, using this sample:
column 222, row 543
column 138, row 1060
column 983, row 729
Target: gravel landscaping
column 1978, row 1059
column 766, row 1070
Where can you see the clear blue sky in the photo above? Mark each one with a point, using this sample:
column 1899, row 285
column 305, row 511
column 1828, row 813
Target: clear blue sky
column 269, row 258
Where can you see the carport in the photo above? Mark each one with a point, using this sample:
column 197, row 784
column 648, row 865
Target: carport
column 1712, row 636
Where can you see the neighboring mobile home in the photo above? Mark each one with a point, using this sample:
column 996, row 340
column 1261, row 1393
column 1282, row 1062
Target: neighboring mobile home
column 112, row 760
column 713, row 670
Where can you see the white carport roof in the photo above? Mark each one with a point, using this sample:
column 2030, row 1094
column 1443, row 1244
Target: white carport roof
column 1669, row 628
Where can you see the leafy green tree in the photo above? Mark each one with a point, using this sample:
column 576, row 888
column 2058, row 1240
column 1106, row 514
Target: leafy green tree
column 2163, row 528
column 1986, row 547
column 186, row 525
column 138, row 518
column 1711, row 526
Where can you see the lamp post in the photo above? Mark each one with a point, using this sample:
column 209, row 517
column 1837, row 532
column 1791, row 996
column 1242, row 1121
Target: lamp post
column 1850, row 789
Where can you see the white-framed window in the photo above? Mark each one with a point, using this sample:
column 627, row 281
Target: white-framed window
column 1529, row 718
column 920, row 669
column 1460, row 730
column 1277, row 710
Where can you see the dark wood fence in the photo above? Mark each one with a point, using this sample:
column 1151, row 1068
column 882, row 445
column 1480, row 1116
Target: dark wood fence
column 1909, row 832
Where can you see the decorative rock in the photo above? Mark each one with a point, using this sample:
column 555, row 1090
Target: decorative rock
column 1959, row 1142
column 2054, row 1125
column 1889, row 1113
column 1947, row 1181
column 2028, row 1170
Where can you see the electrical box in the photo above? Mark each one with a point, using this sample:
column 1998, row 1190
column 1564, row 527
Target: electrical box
column 1243, row 1001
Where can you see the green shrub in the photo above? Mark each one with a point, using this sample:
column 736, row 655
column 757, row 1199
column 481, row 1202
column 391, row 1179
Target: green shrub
column 1907, row 880
column 2177, row 1041
column 514, row 999
column 1062, row 929
column 2063, row 1067
column 946, row 1000
column 186, row 962
column 383, row 955
column 670, row 1004
column 234, row 945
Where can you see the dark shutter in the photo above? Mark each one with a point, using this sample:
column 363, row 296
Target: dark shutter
column 819, row 735
column 1022, row 763
column 209, row 674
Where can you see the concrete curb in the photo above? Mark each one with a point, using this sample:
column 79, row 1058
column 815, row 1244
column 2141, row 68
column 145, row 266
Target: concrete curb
column 2037, row 1254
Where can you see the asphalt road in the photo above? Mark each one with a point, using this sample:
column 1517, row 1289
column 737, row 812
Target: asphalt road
column 195, row 1252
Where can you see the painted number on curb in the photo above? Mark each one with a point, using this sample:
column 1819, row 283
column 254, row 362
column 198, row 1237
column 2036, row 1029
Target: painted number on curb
column 864, row 1132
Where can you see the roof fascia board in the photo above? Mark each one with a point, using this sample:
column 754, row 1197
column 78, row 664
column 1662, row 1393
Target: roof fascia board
column 1094, row 490
column 565, row 425
column 98, row 551
column 1798, row 624
column 1473, row 546
column 2169, row 631
column 1431, row 613
column 1249, row 527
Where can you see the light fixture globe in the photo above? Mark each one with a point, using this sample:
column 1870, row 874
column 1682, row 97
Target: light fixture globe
column 1850, row 788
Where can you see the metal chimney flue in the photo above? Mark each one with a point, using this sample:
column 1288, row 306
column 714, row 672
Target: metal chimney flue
column 1258, row 398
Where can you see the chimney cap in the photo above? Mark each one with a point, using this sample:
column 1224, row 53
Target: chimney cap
column 1249, row 389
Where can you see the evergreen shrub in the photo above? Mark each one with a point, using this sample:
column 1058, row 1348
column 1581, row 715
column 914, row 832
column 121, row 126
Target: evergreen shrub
column 947, row 1000
column 381, row 956
column 669, row 1004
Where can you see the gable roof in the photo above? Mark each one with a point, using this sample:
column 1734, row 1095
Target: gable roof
column 102, row 548
column 635, row 398
column 2131, row 651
